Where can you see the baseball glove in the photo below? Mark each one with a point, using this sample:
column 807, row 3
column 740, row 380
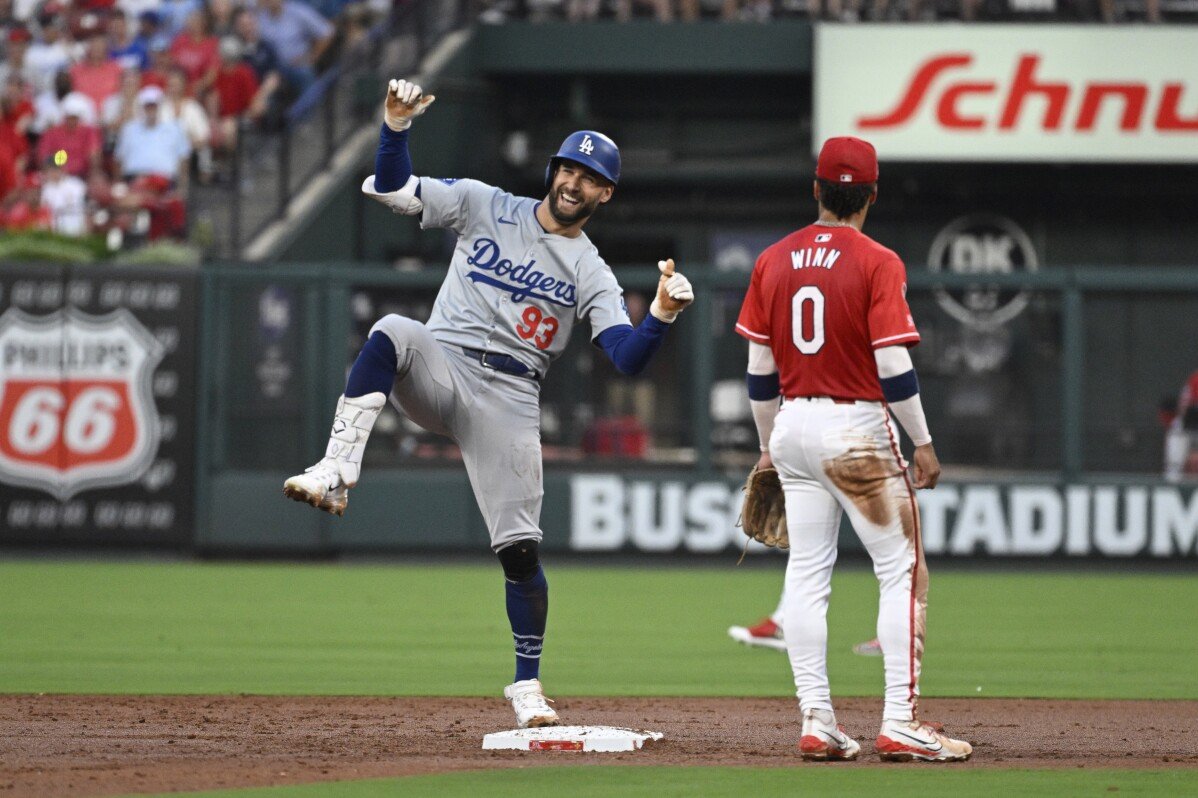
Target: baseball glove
column 763, row 517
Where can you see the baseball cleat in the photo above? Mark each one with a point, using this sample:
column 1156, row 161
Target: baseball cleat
column 531, row 706
column 870, row 648
column 904, row 741
column 326, row 485
column 319, row 486
column 824, row 739
column 766, row 633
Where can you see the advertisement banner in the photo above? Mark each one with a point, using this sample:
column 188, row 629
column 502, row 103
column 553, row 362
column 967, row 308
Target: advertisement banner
column 97, row 405
column 1010, row 92
column 611, row 513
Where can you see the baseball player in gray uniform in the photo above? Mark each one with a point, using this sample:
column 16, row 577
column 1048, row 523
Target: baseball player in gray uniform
column 523, row 274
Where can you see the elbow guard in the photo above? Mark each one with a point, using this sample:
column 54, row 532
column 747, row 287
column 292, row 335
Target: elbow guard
column 402, row 201
column 763, row 387
column 900, row 387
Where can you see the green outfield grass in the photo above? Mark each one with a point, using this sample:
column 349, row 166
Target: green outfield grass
column 661, row 782
column 352, row 629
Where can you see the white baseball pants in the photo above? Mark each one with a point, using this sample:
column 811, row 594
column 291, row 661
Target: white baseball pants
column 836, row 457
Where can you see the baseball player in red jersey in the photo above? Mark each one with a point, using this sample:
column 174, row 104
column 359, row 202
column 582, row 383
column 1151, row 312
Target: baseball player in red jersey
column 828, row 326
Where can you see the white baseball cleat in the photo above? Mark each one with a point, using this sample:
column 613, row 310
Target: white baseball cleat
column 824, row 739
column 320, row 486
column 531, row 706
column 906, row 740
column 766, row 634
column 326, row 484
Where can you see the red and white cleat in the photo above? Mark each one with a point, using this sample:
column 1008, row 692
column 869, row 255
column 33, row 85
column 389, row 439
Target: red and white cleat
column 766, row 634
column 904, row 741
column 824, row 739
column 870, row 648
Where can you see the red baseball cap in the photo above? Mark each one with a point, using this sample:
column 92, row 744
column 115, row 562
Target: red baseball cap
column 847, row 159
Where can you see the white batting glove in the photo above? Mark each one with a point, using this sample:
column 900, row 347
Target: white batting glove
column 405, row 101
column 674, row 293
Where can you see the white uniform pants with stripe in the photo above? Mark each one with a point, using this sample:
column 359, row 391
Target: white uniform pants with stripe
column 843, row 457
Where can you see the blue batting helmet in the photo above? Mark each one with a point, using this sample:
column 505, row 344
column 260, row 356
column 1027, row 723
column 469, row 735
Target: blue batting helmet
column 591, row 149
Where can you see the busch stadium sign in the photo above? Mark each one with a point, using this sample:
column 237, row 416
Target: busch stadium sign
column 611, row 513
column 1010, row 92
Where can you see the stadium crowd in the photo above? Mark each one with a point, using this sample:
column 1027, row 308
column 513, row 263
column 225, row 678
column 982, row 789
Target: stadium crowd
column 499, row 11
column 109, row 108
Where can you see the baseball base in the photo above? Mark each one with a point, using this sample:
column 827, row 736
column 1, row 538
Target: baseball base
column 570, row 738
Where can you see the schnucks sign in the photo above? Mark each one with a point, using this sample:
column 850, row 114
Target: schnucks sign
column 1010, row 92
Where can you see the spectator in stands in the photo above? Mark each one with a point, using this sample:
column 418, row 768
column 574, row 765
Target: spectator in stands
column 47, row 105
column 236, row 93
column 220, row 13
column 48, row 55
column 64, row 196
column 264, row 60
column 161, row 65
column 188, row 114
column 173, row 14
column 97, row 76
column 150, row 31
column 298, row 34
column 78, row 141
column 21, row 210
column 122, row 106
column 10, row 169
column 195, row 50
column 128, row 50
column 352, row 26
column 148, row 146
column 16, row 110
column 257, row 52
column 16, row 45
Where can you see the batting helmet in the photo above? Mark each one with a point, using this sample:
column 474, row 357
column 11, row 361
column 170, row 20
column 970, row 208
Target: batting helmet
column 591, row 149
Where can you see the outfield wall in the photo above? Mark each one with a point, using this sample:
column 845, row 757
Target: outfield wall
column 683, row 512
column 111, row 436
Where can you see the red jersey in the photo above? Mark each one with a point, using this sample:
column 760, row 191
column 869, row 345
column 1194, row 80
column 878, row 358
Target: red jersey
column 823, row 299
column 196, row 57
column 235, row 89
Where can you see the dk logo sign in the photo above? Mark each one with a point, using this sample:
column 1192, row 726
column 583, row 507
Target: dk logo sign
column 76, row 409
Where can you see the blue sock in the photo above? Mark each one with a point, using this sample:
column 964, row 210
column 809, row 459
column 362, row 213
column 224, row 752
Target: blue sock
column 374, row 370
column 527, row 609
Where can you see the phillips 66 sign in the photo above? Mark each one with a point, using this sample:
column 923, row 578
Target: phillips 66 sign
column 75, row 403
column 97, row 405
column 1010, row 92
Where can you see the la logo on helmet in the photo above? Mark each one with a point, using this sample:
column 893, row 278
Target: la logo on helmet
column 587, row 146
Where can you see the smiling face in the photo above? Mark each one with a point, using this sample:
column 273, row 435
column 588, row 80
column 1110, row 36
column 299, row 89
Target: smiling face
column 576, row 192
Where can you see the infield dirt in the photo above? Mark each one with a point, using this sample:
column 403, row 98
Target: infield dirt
column 108, row 745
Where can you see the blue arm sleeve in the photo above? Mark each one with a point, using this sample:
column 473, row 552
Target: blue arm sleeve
column 763, row 387
column 900, row 387
column 631, row 348
column 392, row 163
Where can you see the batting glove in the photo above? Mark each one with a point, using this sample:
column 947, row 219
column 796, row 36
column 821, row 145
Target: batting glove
column 405, row 101
column 674, row 293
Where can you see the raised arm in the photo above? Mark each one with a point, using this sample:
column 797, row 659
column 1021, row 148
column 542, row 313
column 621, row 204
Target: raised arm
column 393, row 183
column 631, row 348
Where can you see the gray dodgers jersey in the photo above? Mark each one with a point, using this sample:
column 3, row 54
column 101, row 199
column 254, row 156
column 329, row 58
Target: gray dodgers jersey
column 512, row 287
